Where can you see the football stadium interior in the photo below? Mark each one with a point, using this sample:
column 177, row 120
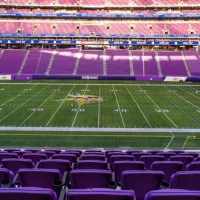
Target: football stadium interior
column 99, row 99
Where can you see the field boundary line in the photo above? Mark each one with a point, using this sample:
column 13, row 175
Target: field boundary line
column 186, row 141
column 118, row 106
column 136, row 84
column 16, row 96
column 22, row 104
column 40, row 105
column 99, row 108
column 59, row 106
column 172, row 138
column 184, row 112
column 159, row 108
column 78, row 110
column 83, row 129
column 138, row 107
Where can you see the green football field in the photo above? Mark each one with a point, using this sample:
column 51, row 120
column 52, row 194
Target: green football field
column 100, row 114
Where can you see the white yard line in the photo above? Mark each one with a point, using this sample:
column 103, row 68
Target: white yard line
column 78, row 110
column 39, row 106
column 16, row 97
column 172, row 138
column 22, row 104
column 184, row 99
column 99, row 106
column 118, row 106
column 180, row 109
column 138, row 107
column 159, row 108
column 59, row 106
column 190, row 93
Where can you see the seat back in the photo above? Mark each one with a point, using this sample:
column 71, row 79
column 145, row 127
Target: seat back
column 189, row 180
column 141, row 182
column 99, row 194
column 115, row 154
column 21, row 153
column 27, row 193
column 120, row 166
column 35, row 157
column 139, row 154
column 92, row 157
column 168, row 167
column 166, row 155
column 71, row 157
column 184, row 159
column 194, row 154
column 8, row 155
column 193, row 166
column 47, row 153
column 14, row 164
column 113, row 159
column 112, row 151
column 82, row 179
column 148, row 160
column 154, row 152
column 172, row 194
column 129, row 152
column 43, row 178
column 176, row 151
column 61, row 165
column 92, row 164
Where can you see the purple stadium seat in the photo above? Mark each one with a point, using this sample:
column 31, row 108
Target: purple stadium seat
column 113, row 159
column 92, row 157
column 195, row 155
column 71, row 152
column 83, row 179
column 6, row 174
column 99, row 194
column 93, row 153
column 112, row 151
column 141, row 182
column 154, row 152
column 188, row 180
column 148, row 160
column 168, row 167
column 92, row 164
column 172, row 194
column 166, row 155
column 61, row 165
column 54, row 150
column 193, row 166
column 35, row 157
column 129, row 152
column 14, row 164
column 184, row 159
column 115, row 154
column 10, row 150
column 47, row 153
column 8, row 155
column 33, row 150
column 177, row 151
column 120, row 166
column 197, row 159
column 43, row 178
column 21, row 153
column 139, row 154
column 71, row 157
column 27, row 193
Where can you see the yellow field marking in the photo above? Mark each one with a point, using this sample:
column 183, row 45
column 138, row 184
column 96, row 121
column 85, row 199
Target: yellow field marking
column 86, row 135
column 188, row 138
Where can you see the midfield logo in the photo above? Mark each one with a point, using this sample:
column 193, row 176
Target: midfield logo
column 83, row 99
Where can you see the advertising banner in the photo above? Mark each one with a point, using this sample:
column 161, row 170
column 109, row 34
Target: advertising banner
column 5, row 77
column 89, row 77
column 175, row 78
